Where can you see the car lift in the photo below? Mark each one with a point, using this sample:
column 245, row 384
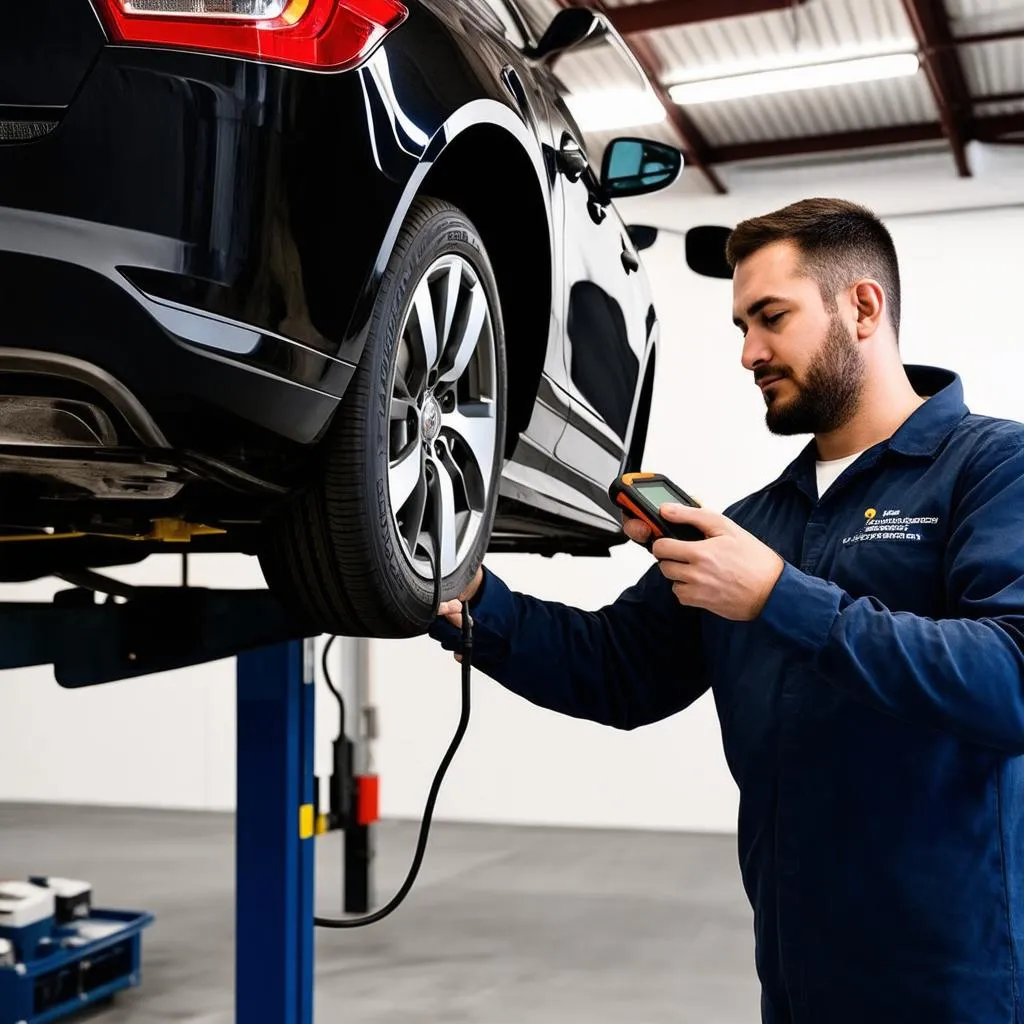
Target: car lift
column 156, row 629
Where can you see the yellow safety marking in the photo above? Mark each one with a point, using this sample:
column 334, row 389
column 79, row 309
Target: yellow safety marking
column 321, row 824
column 167, row 530
column 177, row 530
column 306, row 816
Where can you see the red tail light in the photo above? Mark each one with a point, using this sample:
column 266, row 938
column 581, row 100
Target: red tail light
column 320, row 34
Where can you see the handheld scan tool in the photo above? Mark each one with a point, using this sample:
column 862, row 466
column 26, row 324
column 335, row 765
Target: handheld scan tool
column 641, row 495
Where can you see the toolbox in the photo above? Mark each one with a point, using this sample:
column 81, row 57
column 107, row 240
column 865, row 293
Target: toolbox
column 82, row 960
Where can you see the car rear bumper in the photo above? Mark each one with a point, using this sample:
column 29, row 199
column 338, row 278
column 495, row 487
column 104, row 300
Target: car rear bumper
column 205, row 230
column 65, row 292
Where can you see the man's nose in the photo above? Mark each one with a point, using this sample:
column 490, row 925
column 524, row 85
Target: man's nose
column 755, row 350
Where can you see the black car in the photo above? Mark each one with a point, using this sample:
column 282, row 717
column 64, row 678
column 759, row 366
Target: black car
column 325, row 281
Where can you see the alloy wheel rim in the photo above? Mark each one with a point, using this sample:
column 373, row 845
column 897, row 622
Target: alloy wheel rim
column 442, row 429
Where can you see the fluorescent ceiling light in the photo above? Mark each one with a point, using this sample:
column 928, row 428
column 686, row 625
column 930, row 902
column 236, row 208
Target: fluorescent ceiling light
column 808, row 76
column 787, row 59
column 612, row 109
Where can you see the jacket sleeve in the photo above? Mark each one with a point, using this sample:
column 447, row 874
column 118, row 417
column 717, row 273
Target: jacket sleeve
column 963, row 674
column 633, row 662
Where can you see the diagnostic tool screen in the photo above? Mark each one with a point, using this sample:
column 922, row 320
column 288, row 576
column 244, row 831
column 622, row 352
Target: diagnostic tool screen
column 658, row 494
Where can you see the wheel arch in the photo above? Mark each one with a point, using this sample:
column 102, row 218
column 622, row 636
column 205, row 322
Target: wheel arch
column 510, row 219
column 509, row 194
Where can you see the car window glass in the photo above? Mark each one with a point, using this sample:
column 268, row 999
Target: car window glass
column 508, row 21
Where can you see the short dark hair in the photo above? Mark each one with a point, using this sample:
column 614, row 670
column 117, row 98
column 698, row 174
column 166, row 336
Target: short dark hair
column 839, row 243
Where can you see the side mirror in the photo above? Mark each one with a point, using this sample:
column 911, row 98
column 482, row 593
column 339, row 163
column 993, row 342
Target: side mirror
column 705, row 251
column 634, row 167
column 571, row 28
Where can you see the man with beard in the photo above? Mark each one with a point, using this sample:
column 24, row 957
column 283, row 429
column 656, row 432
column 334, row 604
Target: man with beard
column 860, row 623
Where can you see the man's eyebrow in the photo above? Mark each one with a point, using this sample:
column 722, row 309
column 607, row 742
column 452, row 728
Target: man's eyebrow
column 756, row 307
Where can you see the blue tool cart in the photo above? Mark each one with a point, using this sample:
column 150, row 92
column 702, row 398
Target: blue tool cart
column 74, row 965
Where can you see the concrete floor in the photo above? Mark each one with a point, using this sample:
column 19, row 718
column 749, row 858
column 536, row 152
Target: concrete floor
column 504, row 926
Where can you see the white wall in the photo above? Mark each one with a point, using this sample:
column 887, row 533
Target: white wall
column 169, row 740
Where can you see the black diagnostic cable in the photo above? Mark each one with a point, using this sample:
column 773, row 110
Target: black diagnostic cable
column 330, row 685
column 466, row 652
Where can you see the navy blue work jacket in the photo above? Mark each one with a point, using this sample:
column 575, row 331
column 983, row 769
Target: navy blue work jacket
column 872, row 717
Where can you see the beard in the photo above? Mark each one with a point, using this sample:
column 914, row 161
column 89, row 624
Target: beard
column 828, row 396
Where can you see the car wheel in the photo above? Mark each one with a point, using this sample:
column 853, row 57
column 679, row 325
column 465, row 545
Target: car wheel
column 420, row 433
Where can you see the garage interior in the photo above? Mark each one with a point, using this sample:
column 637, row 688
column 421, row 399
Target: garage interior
column 573, row 873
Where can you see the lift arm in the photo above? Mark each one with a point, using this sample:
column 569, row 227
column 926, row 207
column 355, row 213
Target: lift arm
column 156, row 630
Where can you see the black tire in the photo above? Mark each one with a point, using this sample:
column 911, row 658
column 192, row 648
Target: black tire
column 335, row 552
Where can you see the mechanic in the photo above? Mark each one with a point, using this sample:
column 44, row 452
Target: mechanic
column 860, row 623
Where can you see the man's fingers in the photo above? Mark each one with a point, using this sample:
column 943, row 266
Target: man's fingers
column 673, row 570
column 711, row 524
column 636, row 530
column 451, row 612
column 682, row 573
column 638, row 533
column 666, row 550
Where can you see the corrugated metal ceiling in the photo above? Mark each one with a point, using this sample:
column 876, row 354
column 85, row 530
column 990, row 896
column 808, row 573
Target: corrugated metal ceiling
column 819, row 112
column 994, row 69
column 784, row 38
column 814, row 30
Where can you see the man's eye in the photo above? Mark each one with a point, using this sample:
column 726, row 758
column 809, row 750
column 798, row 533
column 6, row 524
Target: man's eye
column 774, row 319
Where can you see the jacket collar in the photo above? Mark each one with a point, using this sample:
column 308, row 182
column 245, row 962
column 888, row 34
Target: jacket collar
column 928, row 427
column 922, row 433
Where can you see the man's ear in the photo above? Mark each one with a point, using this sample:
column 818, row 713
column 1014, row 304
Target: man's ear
column 869, row 300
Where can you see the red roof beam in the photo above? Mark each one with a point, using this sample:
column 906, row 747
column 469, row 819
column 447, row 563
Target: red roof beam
column 930, row 23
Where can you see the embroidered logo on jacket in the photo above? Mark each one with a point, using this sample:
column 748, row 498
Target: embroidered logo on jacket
column 891, row 524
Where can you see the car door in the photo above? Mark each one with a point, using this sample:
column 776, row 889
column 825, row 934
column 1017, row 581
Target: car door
column 605, row 308
column 599, row 302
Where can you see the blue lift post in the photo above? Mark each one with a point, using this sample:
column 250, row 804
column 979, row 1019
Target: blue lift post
column 275, row 835
column 158, row 629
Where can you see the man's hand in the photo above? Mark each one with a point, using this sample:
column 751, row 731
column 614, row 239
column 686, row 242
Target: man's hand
column 636, row 530
column 452, row 610
column 731, row 573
